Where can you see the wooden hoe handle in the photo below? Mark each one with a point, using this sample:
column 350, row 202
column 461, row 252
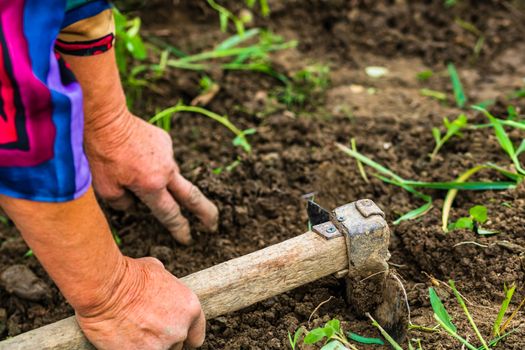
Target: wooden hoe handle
column 224, row 288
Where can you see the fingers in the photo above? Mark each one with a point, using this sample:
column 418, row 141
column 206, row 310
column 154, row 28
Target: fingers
column 122, row 203
column 196, row 333
column 167, row 211
column 189, row 196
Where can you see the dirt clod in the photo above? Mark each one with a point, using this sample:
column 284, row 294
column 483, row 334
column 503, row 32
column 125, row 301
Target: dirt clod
column 21, row 281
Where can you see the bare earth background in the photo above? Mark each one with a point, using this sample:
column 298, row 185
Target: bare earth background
column 294, row 153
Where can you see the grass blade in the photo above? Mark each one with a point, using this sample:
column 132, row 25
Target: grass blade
column 364, row 340
column 504, row 306
column 359, row 164
column 467, row 313
column 237, row 39
column 439, row 309
column 385, row 334
column 370, row 162
column 503, row 138
column 471, row 186
column 454, row 334
column 511, row 317
column 451, row 195
column 459, row 94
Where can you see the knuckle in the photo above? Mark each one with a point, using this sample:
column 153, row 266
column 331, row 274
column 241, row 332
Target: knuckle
column 194, row 305
column 155, row 182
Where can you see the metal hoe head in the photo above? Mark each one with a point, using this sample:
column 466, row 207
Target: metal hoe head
column 370, row 286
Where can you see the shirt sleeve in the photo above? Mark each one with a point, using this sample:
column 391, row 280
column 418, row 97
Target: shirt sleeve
column 88, row 29
column 41, row 117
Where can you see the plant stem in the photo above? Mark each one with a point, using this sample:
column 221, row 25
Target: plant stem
column 454, row 334
column 467, row 313
column 181, row 108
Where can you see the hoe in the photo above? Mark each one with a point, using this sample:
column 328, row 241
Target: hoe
column 350, row 241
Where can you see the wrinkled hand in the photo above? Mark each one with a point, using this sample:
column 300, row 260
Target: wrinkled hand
column 148, row 309
column 128, row 156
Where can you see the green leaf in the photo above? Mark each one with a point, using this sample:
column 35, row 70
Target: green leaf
column 315, row 335
column 509, row 292
column 29, row 253
column 437, row 134
column 425, row 75
column 334, row 345
column 364, row 340
column 136, row 47
column 438, row 95
column 479, row 213
column 521, row 148
column 335, row 324
column 459, row 94
column 462, row 223
column 414, row 214
column 241, row 141
column 439, row 310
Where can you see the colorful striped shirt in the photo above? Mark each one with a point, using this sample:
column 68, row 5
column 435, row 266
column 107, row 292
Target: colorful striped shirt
column 41, row 116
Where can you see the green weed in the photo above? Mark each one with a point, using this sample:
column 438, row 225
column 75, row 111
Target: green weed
column 509, row 292
column 459, row 94
column 395, row 345
column 295, row 339
column 129, row 41
column 225, row 16
column 477, row 217
column 388, row 176
column 308, row 83
column 425, row 75
column 263, row 4
column 438, row 95
column 444, row 320
column 453, row 129
column 332, row 334
column 504, row 140
column 240, row 135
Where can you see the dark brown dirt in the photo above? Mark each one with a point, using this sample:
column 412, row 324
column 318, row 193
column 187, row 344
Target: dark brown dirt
column 294, row 153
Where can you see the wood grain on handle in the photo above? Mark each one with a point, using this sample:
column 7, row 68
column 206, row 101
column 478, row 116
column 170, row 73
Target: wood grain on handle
column 223, row 288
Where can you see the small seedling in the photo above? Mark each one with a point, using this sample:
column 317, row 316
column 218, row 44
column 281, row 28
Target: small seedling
column 504, row 139
column 478, row 216
column 307, row 84
column 129, row 41
column 425, row 75
column 438, row 95
column 388, row 176
column 240, row 135
column 459, row 94
column 395, row 345
column 225, row 16
column 453, row 129
column 263, row 4
column 295, row 339
column 444, row 320
column 332, row 334
column 509, row 292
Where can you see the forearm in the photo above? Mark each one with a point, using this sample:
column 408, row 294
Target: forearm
column 104, row 100
column 74, row 244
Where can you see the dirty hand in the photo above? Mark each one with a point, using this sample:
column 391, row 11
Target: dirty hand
column 130, row 155
column 148, row 309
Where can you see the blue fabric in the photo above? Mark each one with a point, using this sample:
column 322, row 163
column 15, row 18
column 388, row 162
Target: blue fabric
column 65, row 174
column 84, row 9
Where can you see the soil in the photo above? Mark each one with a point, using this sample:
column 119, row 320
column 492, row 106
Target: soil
column 260, row 200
